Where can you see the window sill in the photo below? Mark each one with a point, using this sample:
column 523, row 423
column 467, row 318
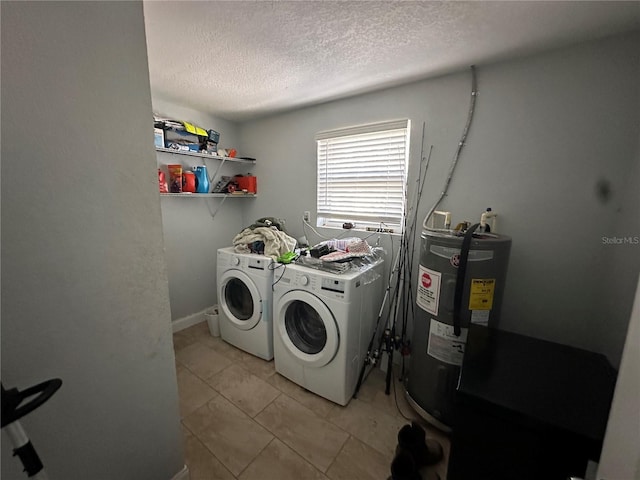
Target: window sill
column 360, row 230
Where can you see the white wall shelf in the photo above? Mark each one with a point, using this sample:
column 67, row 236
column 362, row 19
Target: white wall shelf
column 204, row 155
column 221, row 161
column 209, row 195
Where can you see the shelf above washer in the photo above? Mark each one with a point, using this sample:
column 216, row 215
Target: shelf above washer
column 209, row 195
column 203, row 155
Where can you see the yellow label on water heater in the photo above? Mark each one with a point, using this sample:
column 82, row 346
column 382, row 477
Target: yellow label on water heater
column 481, row 295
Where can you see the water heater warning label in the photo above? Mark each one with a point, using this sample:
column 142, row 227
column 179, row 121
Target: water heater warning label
column 481, row 295
column 443, row 343
column 428, row 295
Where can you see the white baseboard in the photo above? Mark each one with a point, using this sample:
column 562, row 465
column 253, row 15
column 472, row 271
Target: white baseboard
column 188, row 321
column 182, row 474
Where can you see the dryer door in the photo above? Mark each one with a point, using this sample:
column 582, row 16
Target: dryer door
column 307, row 328
column 239, row 299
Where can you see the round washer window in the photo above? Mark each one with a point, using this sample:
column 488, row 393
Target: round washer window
column 305, row 327
column 238, row 298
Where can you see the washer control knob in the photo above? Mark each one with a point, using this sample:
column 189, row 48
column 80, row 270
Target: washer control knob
column 235, row 261
column 304, row 280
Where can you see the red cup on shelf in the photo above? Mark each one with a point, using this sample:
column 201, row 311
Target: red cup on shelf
column 189, row 182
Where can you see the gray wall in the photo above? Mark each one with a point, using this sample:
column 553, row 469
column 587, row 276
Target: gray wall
column 547, row 128
column 621, row 260
column 84, row 283
column 191, row 235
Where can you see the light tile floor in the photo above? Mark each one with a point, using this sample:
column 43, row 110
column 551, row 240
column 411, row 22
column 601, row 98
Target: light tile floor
column 242, row 420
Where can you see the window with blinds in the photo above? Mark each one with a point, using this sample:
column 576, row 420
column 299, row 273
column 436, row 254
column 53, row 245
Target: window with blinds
column 362, row 176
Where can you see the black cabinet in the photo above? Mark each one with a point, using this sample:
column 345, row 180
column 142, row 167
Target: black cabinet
column 528, row 408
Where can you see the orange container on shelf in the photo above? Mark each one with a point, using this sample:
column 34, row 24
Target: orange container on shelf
column 247, row 182
column 175, row 178
column 188, row 182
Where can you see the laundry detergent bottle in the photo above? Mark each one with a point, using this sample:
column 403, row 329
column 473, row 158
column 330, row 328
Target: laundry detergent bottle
column 202, row 179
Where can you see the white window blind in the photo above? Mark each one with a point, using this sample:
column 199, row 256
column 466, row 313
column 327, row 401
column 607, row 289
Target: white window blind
column 362, row 175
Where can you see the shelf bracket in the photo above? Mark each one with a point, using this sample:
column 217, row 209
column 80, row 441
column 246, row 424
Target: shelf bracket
column 215, row 174
column 213, row 214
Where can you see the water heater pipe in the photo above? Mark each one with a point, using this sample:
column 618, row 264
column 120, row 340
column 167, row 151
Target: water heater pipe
column 447, row 219
column 483, row 220
column 474, row 92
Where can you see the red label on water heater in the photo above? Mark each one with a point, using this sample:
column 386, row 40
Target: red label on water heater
column 428, row 296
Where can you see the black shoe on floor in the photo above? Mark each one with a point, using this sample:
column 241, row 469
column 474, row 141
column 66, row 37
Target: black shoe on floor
column 403, row 467
column 412, row 439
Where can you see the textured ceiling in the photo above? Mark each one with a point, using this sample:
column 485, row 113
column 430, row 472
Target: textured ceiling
column 245, row 59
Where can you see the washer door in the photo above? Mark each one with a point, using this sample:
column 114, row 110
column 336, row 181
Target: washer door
column 240, row 299
column 307, row 328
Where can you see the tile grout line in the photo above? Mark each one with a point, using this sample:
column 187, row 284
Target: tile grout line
column 358, row 437
column 265, row 407
column 206, row 448
column 213, row 453
column 337, row 455
column 238, row 406
column 293, row 447
column 257, row 455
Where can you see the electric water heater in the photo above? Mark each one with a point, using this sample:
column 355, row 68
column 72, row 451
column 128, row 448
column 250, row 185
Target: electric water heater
column 447, row 304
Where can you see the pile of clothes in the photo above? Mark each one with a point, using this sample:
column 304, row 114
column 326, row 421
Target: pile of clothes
column 266, row 236
column 341, row 250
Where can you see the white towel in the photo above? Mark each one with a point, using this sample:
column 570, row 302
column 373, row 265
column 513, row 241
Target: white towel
column 276, row 242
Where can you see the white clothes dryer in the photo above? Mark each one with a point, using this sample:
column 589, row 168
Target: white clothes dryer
column 322, row 324
column 245, row 297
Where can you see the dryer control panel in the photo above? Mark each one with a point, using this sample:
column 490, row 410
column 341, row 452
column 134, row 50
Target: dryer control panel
column 333, row 285
column 258, row 263
column 305, row 280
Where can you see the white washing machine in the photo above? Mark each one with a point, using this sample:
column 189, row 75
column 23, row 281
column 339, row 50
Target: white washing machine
column 245, row 301
column 322, row 325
